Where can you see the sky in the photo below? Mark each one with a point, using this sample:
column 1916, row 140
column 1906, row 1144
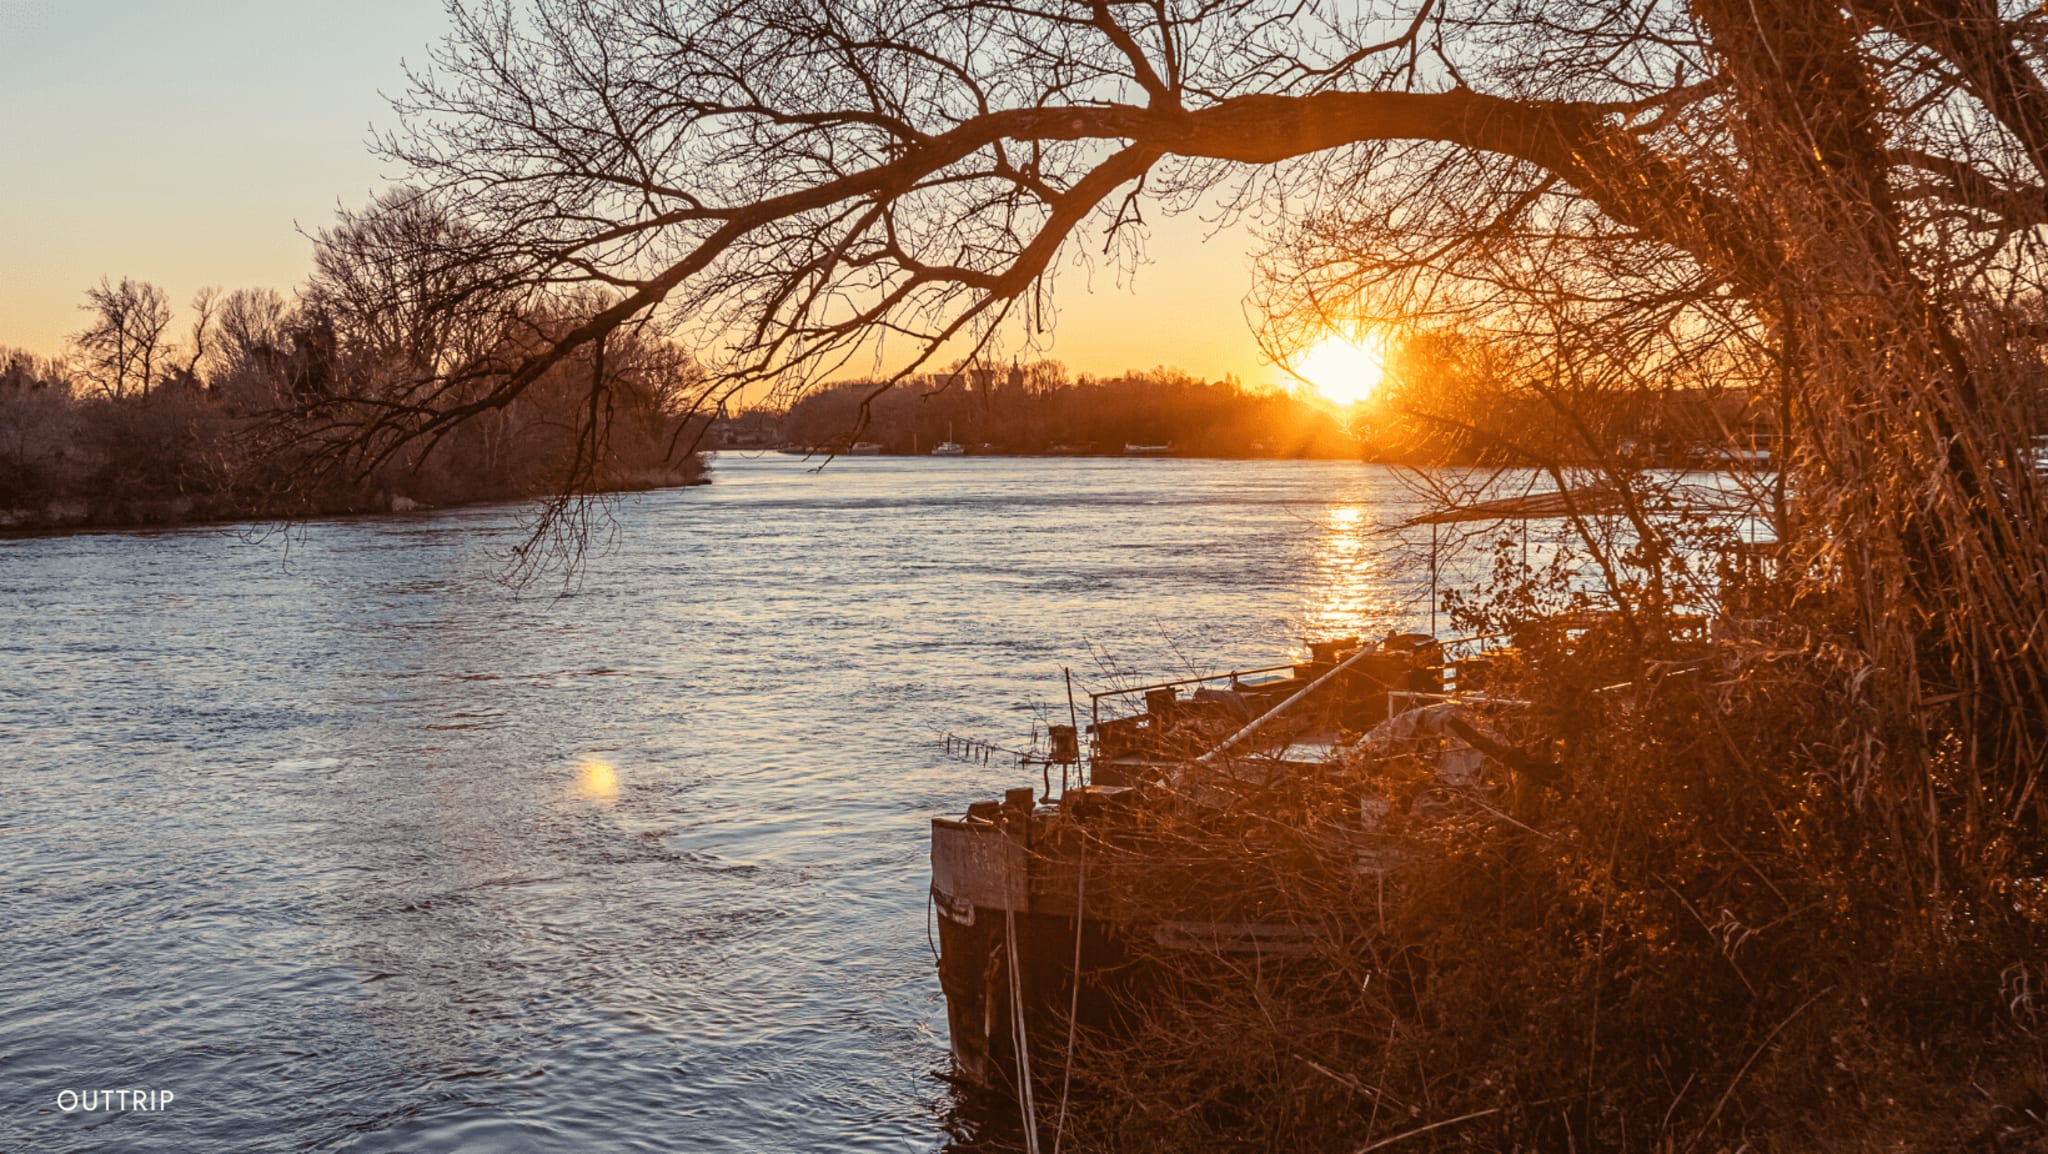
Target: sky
column 197, row 144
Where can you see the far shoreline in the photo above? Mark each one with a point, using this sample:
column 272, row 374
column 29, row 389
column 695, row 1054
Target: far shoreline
column 260, row 524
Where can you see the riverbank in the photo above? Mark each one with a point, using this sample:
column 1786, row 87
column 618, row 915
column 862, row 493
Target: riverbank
column 186, row 453
column 1040, row 410
column 1058, row 452
column 83, row 515
column 1656, row 915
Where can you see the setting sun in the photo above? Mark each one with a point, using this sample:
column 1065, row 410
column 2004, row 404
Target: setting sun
column 1345, row 371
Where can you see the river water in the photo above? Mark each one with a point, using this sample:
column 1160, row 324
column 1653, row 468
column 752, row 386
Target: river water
column 348, row 845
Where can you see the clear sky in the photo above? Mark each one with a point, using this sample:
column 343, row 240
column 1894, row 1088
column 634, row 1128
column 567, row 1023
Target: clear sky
column 190, row 144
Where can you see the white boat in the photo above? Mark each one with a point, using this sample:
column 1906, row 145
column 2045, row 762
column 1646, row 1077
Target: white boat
column 950, row 449
column 1131, row 450
column 866, row 449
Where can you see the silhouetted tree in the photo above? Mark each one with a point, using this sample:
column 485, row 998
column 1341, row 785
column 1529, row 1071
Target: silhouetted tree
column 118, row 353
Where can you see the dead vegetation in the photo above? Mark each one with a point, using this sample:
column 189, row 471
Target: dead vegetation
column 1707, row 930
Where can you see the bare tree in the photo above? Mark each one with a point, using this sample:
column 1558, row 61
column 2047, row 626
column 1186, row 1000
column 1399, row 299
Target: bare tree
column 406, row 287
column 21, row 369
column 119, row 352
column 205, row 309
column 1839, row 206
column 253, row 327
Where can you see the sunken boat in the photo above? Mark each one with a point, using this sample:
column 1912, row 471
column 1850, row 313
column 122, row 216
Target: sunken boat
column 1043, row 898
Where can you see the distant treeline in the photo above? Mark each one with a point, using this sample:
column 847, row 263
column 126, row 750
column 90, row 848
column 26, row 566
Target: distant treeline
column 1452, row 398
column 1039, row 408
column 236, row 412
column 1442, row 403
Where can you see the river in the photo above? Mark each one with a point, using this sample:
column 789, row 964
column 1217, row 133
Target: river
column 348, row 845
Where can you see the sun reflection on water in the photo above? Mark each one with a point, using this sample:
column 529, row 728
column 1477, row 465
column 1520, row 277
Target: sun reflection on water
column 1350, row 591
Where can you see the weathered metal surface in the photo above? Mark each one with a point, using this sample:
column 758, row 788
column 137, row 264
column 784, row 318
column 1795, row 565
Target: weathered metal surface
column 1033, row 886
column 980, row 864
column 967, row 951
column 953, row 909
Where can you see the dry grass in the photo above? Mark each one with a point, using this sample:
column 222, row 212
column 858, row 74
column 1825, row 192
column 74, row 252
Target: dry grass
column 1712, row 935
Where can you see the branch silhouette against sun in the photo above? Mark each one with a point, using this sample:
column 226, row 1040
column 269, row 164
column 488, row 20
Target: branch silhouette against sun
column 802, row 186
column 798, row 187
column 1838, row 205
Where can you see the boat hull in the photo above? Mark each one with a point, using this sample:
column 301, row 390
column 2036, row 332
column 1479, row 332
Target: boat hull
column 994, row 910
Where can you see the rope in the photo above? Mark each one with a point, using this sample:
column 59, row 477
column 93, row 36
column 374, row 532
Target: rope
column 1059, row 1132
column 1017, row 1037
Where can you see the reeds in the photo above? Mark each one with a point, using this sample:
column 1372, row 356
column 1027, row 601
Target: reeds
column 1705, row 932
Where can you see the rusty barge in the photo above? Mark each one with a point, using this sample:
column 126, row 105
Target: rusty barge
column 1039, row 897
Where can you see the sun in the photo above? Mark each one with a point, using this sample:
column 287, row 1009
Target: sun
column 1343, row 369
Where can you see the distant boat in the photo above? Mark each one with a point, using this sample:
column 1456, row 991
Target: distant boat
column 1131, row 450
column 866, row 449
column 950, row 449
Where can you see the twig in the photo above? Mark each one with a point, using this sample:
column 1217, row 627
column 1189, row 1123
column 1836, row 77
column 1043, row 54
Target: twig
column 1509, row 819
column 1407, row 1134
column 1768, row 1039
column 1350, row 1083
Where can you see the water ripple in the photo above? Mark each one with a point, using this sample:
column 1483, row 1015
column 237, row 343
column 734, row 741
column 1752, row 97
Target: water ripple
column 305, row 838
